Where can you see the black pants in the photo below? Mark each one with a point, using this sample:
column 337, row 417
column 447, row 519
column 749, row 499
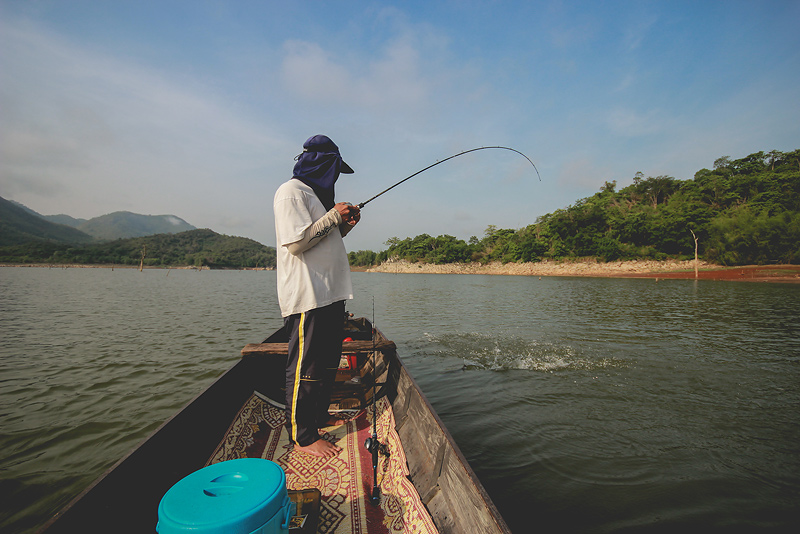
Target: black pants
column 315, row 347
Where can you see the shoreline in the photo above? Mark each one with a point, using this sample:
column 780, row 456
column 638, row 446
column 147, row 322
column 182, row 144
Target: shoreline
column 659, row 270
column 670, row 269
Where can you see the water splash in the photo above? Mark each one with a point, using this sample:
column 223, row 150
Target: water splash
column 481, row 351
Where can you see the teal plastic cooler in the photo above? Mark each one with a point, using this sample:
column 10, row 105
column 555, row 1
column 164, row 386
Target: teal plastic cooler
column 244, row 496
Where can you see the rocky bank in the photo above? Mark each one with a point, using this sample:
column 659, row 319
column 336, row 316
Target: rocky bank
column 545, row 268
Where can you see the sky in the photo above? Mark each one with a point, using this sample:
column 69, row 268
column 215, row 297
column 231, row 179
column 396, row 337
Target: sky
column 198, row 108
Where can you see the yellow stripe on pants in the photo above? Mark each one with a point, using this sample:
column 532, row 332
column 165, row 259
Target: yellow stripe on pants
column 295, row 390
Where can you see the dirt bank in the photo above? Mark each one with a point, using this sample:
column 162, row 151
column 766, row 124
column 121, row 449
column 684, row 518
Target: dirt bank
column 619, row 269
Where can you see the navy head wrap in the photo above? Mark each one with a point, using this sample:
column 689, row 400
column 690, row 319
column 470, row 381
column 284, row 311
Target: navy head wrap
column 319, row 166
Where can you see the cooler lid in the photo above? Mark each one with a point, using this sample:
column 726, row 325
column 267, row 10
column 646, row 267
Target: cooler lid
column 233, row 497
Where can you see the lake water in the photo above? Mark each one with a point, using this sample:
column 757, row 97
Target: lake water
column 583, row 404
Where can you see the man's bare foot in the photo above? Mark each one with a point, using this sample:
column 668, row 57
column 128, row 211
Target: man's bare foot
column 335, row 420
column 321, row 448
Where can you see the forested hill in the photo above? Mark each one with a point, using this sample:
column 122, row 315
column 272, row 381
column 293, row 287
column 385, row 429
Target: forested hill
column 744, row 211
column 193, row 248
column 19, row 225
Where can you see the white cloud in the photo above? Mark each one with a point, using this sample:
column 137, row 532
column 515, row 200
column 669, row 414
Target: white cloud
column 626, row 82
column 390, row 83
column 89, row 134
column 582, row 173
column 630, row 123
column 637, row 31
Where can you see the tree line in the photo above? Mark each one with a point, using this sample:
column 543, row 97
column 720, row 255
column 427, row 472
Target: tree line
column 744, row 211
column 200, row 248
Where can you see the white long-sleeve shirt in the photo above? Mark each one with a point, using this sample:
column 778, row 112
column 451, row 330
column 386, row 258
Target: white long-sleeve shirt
column 320, row 275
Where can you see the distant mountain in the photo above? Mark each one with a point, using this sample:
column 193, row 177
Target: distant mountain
column 199, row 248
column 64, row 219
column 117, row 225
column 21, row 225
column 124, row 224
column 121, row 238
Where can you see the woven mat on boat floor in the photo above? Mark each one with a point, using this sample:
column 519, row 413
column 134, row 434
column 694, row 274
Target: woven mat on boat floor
column 344, row 480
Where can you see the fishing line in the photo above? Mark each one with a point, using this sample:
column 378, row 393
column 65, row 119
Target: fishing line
column 446, row 159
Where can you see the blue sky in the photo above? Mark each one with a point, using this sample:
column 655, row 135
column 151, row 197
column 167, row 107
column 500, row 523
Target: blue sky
column 197, row 108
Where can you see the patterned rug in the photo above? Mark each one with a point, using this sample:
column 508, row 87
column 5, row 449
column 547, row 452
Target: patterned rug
column 345, row 480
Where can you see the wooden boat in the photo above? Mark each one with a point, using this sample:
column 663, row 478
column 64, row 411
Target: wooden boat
column 126, row 497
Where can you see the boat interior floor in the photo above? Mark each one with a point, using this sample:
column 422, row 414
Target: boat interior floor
column 344, row 480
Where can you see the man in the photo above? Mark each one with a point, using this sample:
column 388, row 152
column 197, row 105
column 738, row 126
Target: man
column 313, row 283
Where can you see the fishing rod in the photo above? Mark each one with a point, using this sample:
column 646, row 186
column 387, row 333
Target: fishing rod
column 372, row 444
column 446, row 159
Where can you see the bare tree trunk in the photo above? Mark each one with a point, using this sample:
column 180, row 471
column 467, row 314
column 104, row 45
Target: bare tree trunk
column 144, row 253
column 695, row 254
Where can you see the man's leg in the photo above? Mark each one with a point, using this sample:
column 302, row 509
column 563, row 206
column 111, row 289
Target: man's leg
column 331, row 335
column 314, row 352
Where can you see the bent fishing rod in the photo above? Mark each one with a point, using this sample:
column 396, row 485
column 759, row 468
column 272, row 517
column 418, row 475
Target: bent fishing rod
column 446, row 159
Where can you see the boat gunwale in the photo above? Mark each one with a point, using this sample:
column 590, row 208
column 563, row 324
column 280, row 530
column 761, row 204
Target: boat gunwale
column 105, row 474
column 477, row 485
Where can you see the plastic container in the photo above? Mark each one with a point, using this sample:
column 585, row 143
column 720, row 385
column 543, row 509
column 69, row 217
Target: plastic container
column 244, row 496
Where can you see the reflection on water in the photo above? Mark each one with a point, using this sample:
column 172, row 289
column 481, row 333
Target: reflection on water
column 584, row 405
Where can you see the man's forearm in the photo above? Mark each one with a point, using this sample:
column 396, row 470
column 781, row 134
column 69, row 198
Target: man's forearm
column 316, row 232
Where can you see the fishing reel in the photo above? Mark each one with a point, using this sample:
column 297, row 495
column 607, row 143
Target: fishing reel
column 375, row 447
column 372, row 444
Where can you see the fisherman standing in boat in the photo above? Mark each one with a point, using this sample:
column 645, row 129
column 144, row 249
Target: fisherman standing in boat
column 313, row 284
